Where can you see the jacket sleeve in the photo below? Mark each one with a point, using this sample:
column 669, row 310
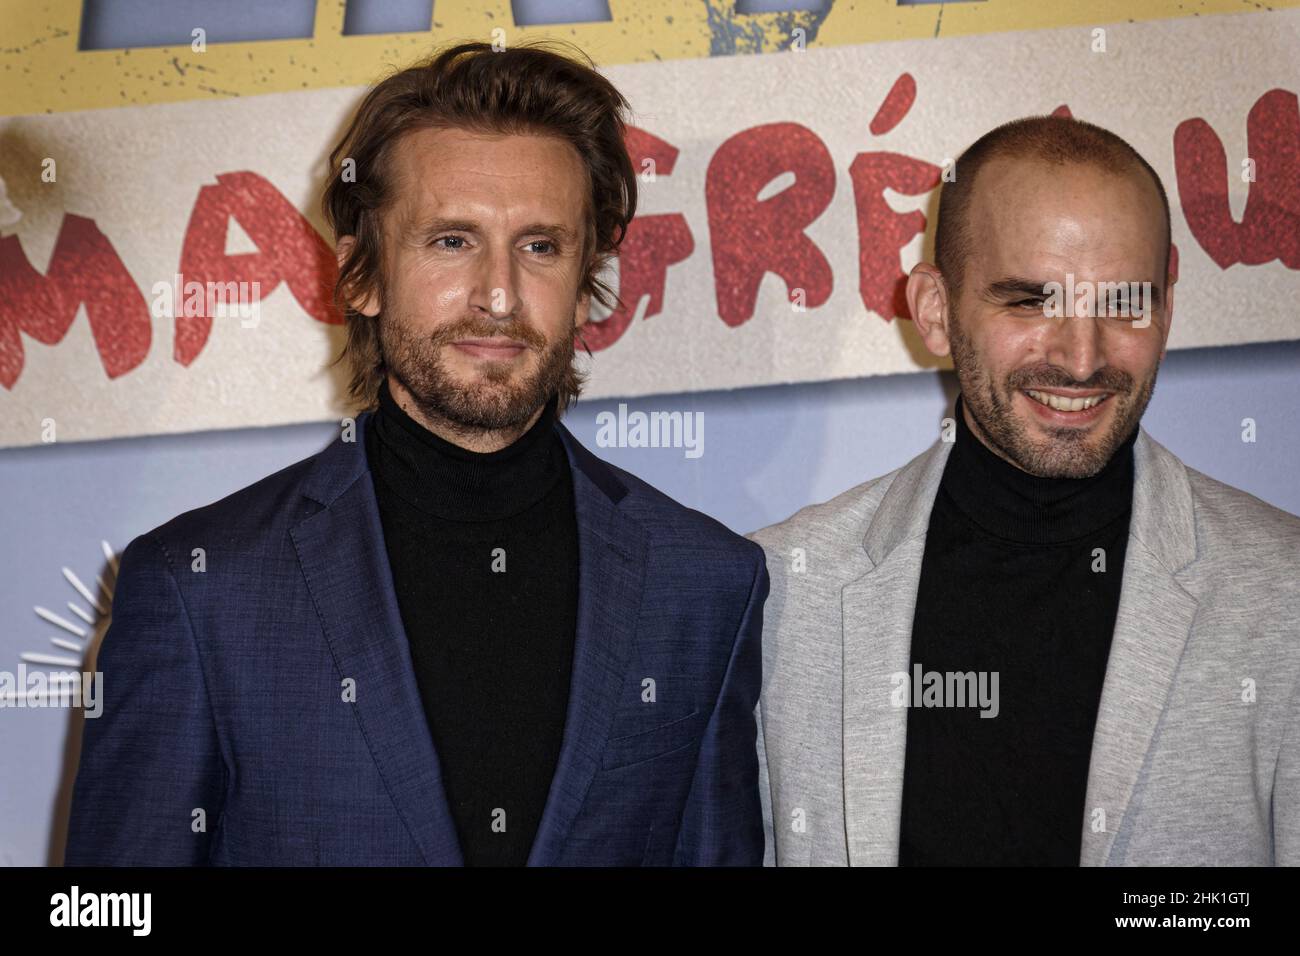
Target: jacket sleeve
column 1286, row 791
column 722, row 823
column 151, row 759
column 765, row 794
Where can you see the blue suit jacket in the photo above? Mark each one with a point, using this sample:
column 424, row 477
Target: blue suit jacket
column 229, row 737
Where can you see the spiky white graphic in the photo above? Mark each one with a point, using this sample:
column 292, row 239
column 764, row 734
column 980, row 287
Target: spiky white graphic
column 76, row 645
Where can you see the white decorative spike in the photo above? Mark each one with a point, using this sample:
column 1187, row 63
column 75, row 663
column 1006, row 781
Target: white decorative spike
column 51, row 659
column 109, row 556
column 60, row 622
column 83, row 590
column 76, row 609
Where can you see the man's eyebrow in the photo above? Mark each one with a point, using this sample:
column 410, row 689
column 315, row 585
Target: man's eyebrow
column 429, row 228
column 1015, row 286
column 1156, row 299
column 553, row 229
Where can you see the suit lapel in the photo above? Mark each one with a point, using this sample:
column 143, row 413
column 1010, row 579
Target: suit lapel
column 878, row 607
column 345, row 563
column 1151, row 628
column 611, row 568
column 1152, row 624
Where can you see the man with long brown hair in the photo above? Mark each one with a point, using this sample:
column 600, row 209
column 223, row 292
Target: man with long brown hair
column 454, row 636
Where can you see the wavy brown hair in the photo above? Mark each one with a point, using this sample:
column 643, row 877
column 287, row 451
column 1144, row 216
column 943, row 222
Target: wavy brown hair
column 533, row 88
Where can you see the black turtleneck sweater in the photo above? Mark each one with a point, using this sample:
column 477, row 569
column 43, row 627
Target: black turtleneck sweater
column 484, row 555
column 1007, row 585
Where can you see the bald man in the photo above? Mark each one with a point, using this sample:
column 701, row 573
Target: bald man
column 1045, row 640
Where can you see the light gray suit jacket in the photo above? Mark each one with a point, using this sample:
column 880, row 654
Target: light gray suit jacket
column 1196, row 752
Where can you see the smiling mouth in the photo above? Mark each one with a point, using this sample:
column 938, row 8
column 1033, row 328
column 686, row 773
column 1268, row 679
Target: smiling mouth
column 1066, row 403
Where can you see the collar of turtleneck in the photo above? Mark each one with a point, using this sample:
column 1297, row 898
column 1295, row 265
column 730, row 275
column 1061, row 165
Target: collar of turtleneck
column 447, row 481
column 1014, row 505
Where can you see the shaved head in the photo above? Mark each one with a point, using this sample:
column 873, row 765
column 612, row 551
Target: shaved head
column 1055, row 140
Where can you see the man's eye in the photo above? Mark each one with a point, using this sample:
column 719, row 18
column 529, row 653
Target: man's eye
column 448, row 239
column 550, row 250
column 1027, row 304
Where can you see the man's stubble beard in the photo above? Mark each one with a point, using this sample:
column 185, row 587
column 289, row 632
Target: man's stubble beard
column 1068, row 452
column 492, row 403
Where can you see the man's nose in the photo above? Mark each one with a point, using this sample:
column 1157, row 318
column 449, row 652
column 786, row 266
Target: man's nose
column 495, row 284
column 1075, row 344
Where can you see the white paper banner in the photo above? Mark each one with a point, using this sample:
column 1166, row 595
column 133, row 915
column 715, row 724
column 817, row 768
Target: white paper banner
column 783, row 211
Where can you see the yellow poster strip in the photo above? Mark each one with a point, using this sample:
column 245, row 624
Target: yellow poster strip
column 42, row 71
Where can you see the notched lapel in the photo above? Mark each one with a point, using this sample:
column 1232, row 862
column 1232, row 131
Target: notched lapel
column 878, row 610
column 344, row 560
column 1151, row 629
column 878, row 607
column 345, row 563
column 611, row 571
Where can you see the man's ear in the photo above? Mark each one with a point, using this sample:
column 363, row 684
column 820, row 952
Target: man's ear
column 1171, row 279
column 370, row 305
column 583, row 311
column 1169, row 313
column 927, row 300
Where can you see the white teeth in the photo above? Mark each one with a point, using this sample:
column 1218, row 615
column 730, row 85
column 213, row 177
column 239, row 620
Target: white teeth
column 1062, row 404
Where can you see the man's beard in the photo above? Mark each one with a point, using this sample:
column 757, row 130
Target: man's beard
column 1067, row 453
column 494, row 402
